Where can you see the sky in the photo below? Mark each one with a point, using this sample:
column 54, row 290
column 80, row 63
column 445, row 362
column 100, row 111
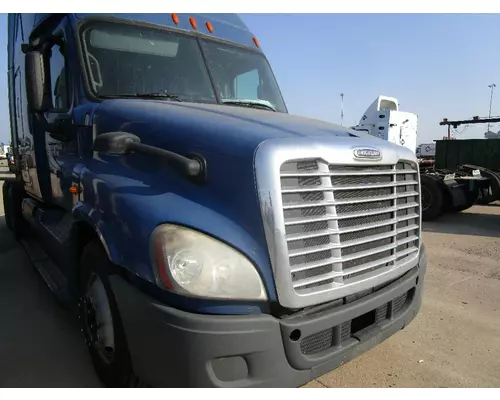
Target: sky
column 436, row 65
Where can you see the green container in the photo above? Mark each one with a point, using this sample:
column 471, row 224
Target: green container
column 481, row 152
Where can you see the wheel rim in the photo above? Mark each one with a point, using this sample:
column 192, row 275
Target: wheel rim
column 426, row 198
column 97, row 319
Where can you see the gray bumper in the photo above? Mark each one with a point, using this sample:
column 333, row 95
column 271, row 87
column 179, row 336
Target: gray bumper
column 172, row 348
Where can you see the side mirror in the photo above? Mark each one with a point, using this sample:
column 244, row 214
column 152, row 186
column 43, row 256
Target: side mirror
column 36, row 90
column 122, row 143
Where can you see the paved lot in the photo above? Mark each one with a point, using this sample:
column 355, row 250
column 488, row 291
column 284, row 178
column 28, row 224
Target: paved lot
column 454, row 341
column 40, row 343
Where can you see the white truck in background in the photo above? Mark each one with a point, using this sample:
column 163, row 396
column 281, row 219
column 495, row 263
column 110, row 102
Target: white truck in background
column 426, row 150
column 384, row 120
column 4, row 150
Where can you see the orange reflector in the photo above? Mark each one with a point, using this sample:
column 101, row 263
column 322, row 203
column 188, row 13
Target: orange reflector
column 175, row 18
column 74, row 189
column 209, row 27
column 192, row 21
column 256, row 41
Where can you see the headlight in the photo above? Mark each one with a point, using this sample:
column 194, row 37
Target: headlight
column 192, row 262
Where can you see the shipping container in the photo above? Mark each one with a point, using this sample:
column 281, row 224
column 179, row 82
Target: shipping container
column 481, row 152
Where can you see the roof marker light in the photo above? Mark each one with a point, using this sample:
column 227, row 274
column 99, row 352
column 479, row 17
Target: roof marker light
column 256, row 41
column 192, row 21
column 175, row 18
column 209, row 27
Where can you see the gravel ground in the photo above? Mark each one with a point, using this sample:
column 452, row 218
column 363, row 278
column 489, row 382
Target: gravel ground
column 453, row 342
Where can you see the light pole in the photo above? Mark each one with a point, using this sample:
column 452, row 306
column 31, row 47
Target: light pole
column 341, row 109
column 492, row 86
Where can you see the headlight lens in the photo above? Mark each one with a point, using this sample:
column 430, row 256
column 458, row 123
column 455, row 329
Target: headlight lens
column 192, row 262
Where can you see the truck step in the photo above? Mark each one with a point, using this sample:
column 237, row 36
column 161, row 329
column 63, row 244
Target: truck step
column 52, row 276
column 60, row 228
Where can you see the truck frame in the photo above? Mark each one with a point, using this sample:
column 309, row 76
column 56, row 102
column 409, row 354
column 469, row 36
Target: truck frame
column 462, row 173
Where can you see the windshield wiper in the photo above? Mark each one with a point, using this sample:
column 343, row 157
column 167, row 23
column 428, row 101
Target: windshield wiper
column 152, row 95
column 261, row 104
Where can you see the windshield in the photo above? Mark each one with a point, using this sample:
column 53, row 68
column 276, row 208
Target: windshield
column 125, row 60
column 241, row 74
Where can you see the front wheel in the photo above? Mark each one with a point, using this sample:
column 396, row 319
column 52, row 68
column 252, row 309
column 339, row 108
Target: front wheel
column 100, row 320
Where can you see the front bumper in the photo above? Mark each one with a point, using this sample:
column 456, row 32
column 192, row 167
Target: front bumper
column 173, row 348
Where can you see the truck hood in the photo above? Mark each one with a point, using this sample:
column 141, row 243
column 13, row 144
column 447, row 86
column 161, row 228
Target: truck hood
column 141, row 193
column 231, row 130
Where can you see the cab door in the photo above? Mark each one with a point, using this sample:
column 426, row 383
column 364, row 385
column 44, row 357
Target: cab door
column 26, row 149
column 60, row 152
column 59, row 148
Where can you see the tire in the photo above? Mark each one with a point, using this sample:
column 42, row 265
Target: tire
column 462, row 208
column 472, row 199
column 101, row 324
column 12, row 199
column 431, row 192
column 495, row 189
column 7, row 204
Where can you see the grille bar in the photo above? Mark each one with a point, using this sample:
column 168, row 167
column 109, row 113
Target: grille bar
column 326, row 232
column 406, row 240
column 311, row 265
column 346, row 224
column 348, row 187
column 408, row 205
column 407, row 229
column 344, row 173
column 341, row 230
column 353, row 270
column 361, row 254
column 291, row 206
column 349, row 243
column 293, row 221
column 407, row 217
column 407, row 251
column 320, row 278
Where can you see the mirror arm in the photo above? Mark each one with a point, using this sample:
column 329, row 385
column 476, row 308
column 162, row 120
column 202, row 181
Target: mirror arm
column 42, row 121
column 26, row 48
column 187, row 166
column 193, row 167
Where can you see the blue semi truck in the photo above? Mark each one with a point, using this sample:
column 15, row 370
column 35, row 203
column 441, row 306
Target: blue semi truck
column 203, row 235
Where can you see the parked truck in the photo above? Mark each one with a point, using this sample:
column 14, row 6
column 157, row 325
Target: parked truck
column 427, row 150
column 446, row 187
column 4, row 150
column 202, row 234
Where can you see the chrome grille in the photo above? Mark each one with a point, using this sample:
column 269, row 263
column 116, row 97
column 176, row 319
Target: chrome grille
column 346, row 224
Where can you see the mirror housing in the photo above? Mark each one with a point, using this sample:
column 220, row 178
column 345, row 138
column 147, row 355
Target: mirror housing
column 36, row 89
column 115, row 142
